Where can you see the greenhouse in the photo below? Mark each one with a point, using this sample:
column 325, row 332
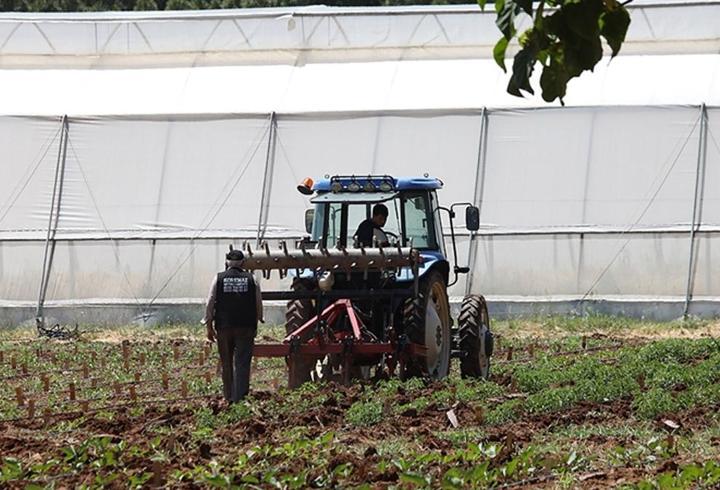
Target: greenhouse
column 137, row 146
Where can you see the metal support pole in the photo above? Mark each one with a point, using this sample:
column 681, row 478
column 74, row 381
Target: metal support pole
column 53, row 220
column 478, row 195
column 697, row 205
column 148, row 288
column 267, row 180
column 583, row 216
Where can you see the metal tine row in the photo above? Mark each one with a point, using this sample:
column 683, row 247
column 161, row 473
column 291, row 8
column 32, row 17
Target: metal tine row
column 259, row 260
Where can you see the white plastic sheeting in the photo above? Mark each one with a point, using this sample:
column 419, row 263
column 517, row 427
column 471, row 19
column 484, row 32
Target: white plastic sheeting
column 611, row 162
column 349, row 86
column 131, row 176
column 592, row 200
column 606, row 212
column 207, row 36
column 320, row 59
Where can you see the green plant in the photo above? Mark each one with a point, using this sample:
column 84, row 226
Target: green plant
column 365, row 413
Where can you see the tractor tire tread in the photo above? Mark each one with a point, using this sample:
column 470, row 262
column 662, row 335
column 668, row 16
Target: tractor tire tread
column 297, row 313
column 469, row 321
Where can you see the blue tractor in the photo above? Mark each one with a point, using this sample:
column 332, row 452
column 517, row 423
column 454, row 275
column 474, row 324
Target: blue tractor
column 360, row 304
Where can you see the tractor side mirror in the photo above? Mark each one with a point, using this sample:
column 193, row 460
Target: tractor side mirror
column 472, row 218
column 309, row 217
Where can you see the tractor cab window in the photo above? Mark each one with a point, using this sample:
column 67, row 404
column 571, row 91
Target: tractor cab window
column 334, row 224
column 341, row 221
column 357, row 213
column 318, row 222
column 419, row 223
column 392, row 227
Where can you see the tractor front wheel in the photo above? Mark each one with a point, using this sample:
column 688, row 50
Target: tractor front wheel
column 427, row 322
column 476, row 341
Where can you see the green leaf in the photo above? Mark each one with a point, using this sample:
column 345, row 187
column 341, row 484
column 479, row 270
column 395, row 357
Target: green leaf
column 613, row 27
column 505, row 20
column 523, row 65
column 691, row 473
column 482, row 4
column 413, row 478
column 581, row 55
column 582, row 18
column 553, row 82
column 499, row 52
column 525, row 5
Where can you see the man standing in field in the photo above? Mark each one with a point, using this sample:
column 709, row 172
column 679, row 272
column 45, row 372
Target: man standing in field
column 233, row 310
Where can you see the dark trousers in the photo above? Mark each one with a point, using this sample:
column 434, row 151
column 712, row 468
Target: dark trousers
column 235, row 346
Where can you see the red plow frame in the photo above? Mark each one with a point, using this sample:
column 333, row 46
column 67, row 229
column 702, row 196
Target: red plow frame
column 320, row 336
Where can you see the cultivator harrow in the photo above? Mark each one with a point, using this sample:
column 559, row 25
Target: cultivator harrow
column 339, row 259
column 337, row 334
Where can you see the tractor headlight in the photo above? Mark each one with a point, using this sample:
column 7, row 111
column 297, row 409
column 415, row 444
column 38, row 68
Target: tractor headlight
column 386, row 186
column 336, row 186
column 353, row 186
column 369, row 186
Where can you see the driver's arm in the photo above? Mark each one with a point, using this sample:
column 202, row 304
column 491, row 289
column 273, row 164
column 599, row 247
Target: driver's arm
column 381, row 237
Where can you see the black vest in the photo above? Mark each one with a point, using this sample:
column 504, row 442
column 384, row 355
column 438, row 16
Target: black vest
column 235, row 300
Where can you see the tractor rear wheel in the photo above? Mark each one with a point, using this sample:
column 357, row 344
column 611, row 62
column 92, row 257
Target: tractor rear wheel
column 298, row 312
column 427, row 322
column 476, row 341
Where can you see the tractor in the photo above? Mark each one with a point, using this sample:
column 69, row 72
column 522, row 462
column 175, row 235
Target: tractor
column 383, row 307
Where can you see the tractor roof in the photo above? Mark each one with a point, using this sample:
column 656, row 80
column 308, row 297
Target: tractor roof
column 380, row 183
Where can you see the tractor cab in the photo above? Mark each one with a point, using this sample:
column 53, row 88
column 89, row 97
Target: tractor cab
column 414, row 218
column 343, row 203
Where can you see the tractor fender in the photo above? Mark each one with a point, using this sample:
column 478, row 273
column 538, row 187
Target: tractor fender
column 440, row 265
column 434, row 261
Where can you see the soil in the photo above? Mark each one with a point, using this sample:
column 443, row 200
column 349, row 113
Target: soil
column 32, row 441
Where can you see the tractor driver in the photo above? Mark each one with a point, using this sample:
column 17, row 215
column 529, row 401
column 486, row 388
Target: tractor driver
column 370, row 230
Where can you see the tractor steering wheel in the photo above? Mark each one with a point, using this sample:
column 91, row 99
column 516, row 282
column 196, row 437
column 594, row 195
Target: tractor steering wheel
column 390, row 234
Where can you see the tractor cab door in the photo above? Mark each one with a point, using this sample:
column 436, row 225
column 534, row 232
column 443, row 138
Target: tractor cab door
column 420, row 224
